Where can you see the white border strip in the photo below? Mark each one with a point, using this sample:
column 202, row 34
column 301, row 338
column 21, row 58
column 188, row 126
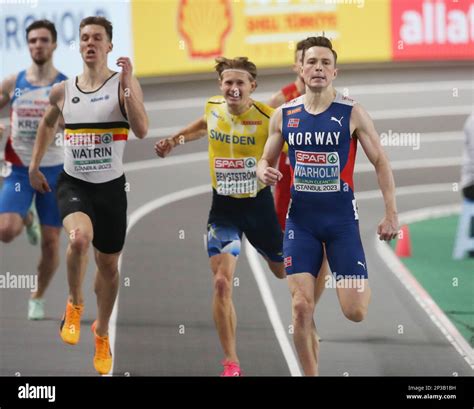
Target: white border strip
column 420, row 295
column 272, row 309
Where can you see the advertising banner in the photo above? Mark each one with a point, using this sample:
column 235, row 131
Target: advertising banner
column 15, row 16
column 432, row 29
column 180, row 36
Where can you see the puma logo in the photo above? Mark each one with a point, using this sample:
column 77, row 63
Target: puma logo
column 362, row 264
column 333, row 118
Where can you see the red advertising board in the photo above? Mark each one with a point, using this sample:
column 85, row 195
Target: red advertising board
column 432, row 29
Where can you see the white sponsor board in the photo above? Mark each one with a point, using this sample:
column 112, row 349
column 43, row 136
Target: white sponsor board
column 16, row 15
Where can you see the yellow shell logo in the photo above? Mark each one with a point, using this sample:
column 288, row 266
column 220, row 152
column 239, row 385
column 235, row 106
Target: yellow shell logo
column 204, row 25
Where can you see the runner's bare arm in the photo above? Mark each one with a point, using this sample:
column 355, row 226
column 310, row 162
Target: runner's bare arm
column 277, row 99
column 369, row 139
column 195, row 130
column 132, row 96
column 265, row 168
column 135, row 109
column 6, row 89
column 44, row 137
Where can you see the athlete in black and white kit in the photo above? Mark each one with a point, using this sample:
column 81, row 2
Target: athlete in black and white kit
column 99, row 107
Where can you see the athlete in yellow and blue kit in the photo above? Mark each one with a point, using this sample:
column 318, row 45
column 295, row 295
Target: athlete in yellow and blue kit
column 237, row 129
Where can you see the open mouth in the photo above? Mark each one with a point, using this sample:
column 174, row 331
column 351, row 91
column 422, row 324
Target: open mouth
column 234, row 97
column 90, row 52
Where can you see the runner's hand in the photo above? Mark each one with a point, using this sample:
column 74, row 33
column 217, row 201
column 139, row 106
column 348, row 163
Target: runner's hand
column 388, row 228
column 164, row 147
column 126, row 74
column 270, row 176
column 38, row 181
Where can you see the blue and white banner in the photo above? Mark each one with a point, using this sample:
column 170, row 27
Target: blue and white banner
column 16, row 15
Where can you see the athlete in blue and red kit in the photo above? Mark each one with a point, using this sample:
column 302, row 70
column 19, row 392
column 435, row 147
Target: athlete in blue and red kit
column 321, row 129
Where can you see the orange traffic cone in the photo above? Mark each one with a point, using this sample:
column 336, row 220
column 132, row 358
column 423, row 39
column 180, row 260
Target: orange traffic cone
column 403, row 247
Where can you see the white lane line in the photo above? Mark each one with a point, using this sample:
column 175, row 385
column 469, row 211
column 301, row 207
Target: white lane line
column 135, row 217
column 420, row 295
column 407, row 190
column 406, row 164
column 272, row 309
column 352, row 90
column 162, row 132
column 172, row 160
column 446, row 110
column 359, row 167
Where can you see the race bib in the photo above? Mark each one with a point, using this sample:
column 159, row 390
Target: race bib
column 316, row 172
column 91, row 152
column 25, row 123
column 236, row 176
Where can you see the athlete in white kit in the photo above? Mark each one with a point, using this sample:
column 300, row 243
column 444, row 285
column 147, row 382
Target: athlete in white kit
column 99, row 107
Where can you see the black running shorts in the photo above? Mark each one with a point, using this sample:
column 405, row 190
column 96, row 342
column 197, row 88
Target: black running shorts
column 105, row 204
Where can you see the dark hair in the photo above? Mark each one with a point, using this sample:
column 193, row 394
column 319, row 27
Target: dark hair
column 238, row 63
column 319, row 41
column 48, row 25
column 99, row 21
column 299, row 47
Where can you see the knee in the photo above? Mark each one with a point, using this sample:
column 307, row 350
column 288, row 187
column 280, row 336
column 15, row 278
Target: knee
column 80, row 241
column 8, row 233
column 302, row 311
column 108, row 269
column 222, row 285
column 355, row 313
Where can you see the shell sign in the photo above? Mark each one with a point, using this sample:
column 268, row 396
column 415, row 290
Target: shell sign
column 204, row 26
column 185, row 36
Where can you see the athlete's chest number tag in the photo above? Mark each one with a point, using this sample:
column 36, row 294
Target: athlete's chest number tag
column 317, row 171
column 236, row 176
column 91, row 152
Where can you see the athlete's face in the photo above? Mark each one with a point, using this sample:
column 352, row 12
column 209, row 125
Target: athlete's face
column 236, row 87
column 95, row 45
column 318, row 69
column 41, row 46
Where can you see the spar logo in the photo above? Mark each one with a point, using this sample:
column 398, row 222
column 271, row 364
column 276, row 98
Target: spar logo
column 107, row 138
column 314, row 158
column 204, row 28
column 250, row 162
column 221, row 163
column 293, row 122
